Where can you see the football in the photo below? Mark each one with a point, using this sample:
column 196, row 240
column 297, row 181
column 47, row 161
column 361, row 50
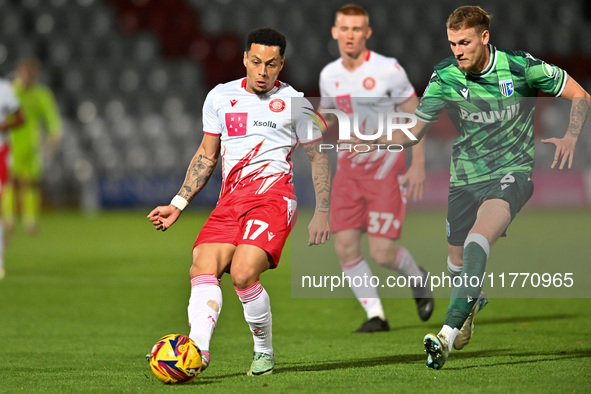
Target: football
column 175, row 358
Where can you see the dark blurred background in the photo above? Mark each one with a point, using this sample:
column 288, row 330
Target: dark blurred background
column 130, row 76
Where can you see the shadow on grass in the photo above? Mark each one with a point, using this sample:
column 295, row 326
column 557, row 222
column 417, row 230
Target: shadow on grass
column 345, row 364
column 201, row 380
column 546, row 356
column 365, row 362
column 416, row 358
column 368, row 362
column 489, row 321
column 434, row 326
column 524, row 319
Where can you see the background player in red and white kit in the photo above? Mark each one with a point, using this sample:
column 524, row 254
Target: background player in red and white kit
column 368, row 192
column 11, row 116
column 250, row 122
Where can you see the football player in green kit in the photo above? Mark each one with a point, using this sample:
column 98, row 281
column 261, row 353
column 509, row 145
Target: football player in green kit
column 39, row 107
column 482, row 89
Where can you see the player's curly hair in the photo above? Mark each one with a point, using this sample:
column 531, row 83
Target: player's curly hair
column 266, row 36
column 469, row 16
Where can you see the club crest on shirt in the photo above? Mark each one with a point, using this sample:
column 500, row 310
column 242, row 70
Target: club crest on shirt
column 506, row 87
column 369, row 83
column 277, row 105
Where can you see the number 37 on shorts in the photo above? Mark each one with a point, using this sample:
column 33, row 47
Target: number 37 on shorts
column 383, row 224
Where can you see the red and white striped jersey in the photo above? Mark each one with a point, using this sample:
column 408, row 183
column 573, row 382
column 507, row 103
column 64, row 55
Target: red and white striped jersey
column 257, row 133
column 370, row 91
column 9, row 104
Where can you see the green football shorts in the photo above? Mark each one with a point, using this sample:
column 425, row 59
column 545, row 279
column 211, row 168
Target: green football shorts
column 26, row 168
column 515, row 187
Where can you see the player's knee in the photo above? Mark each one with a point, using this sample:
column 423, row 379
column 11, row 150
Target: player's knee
column 385, row 256
column 243, row 275
column 243, row 278
column 346, row 252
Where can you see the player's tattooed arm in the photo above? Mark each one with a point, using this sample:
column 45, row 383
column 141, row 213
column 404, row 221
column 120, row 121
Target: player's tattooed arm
column 580, row 108
column 319, row 227
column 578, row 115
column 201, row 167
column 321, row 174
column 198, row 174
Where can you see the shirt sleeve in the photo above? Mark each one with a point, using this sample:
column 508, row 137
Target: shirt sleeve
column 211, row 121
column 309, row 122
column 326, row 101
column 51, row 114
column 432, row 103
column 399, row 85
column 11, row 102
column 544, row 76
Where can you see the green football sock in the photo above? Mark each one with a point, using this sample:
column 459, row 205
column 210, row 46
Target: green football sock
column 31, row 205
column 464, row 296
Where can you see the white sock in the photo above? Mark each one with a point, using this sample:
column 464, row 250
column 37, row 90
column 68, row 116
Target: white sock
column 454, row 270
column 407, row 267
column 257, row 313
column 450, row 334
column 405, row 263
column 367, row 296
column 205, row 305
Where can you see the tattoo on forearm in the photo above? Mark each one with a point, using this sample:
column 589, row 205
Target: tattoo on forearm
column 578, row 115
column 198, row 174
column 321, row 175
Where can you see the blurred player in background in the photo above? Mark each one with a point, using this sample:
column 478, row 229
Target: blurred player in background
column 482, row 89
column 250, row 121
column 27, row 148
column 11, row 116
column 369, row 193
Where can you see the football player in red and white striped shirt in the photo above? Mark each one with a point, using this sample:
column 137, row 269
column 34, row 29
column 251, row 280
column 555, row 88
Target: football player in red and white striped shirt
column 254, row 124
column 11, row 116
column 369, row 194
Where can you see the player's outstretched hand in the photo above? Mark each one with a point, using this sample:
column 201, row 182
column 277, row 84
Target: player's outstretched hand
column 163, row 217
column 565, row 150
column 319, row 228
column 417, row 181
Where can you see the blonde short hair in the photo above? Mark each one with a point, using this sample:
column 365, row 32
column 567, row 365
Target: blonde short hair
column 469, row 16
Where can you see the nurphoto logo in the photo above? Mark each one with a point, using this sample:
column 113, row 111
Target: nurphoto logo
column 388, row 123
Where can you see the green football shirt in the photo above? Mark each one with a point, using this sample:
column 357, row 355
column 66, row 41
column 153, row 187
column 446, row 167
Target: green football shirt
column 490, row 111
column 40, row 110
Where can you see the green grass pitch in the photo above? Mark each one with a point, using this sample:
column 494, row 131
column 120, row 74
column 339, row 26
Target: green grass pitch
column 85, row 299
